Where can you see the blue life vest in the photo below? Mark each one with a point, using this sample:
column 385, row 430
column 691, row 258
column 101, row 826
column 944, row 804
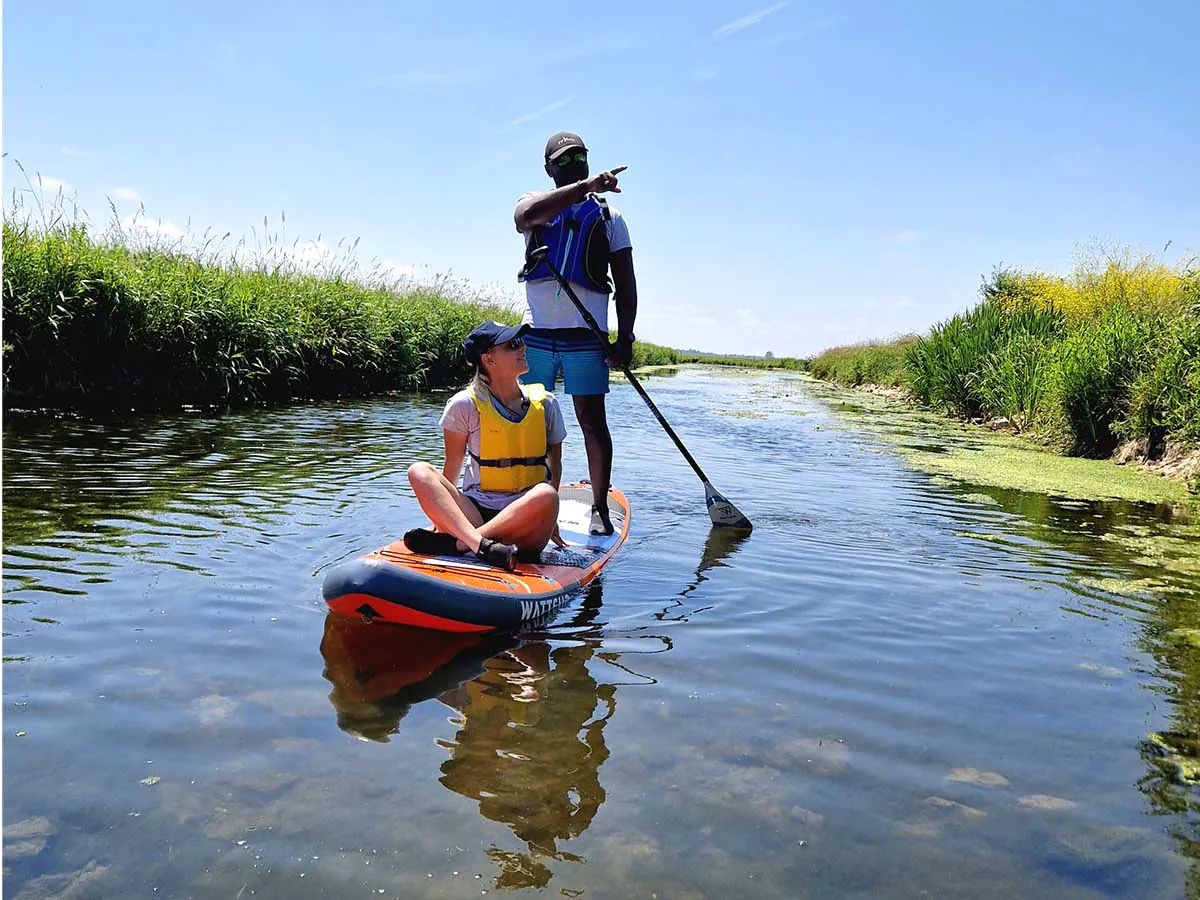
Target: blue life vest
column 577, row 240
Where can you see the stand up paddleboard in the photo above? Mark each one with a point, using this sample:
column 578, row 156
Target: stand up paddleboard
column 463, row 593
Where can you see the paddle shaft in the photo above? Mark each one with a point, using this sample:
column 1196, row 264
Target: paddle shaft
column 637, row 386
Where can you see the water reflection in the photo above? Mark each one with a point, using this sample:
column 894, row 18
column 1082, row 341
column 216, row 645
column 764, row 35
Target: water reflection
column 529, row 749
column 531, row 712
column 152, row 487
column 379, row 672
column 720, row 545
column 1136, row 562
column 531, row 720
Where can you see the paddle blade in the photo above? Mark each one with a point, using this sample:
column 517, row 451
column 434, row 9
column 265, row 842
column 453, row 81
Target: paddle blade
column 723, row 513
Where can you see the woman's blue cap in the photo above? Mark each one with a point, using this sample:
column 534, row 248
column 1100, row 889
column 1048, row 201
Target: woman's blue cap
column 486, row 336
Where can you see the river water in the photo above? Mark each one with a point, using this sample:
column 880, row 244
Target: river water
column 897, row 686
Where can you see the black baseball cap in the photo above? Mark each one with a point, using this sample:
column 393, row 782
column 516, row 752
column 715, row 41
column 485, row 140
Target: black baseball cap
column 486, row 336
column 562, row 141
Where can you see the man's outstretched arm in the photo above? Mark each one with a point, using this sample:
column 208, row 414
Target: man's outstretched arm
column 539, row 209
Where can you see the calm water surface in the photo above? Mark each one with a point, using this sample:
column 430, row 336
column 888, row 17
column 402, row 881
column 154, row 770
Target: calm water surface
column 897, row 686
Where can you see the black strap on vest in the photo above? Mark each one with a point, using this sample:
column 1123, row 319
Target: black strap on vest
column 509, row 463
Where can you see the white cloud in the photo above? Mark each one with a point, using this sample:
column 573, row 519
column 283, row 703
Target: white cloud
column 126, row 193
column 746, row 21
column 72, row 151
column 302, row 256
column 50, row 185
column 389, row 269
column 906, row 236
column 142, row 230
column 538, row 113
column 318, row 258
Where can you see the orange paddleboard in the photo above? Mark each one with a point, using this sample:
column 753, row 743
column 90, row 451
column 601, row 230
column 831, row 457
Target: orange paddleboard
column 463, row 593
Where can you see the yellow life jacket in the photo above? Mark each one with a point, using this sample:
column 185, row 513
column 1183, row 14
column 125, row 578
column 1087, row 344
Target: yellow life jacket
column 512, row 455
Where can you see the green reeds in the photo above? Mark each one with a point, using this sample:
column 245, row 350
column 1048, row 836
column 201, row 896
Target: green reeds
column 1015, row 380
column 115, row 324
column 874, row 362
column 646, row 354
column 976, row 362
column 103, row 325
column 1165, row 394
column 947, row 366
column 1093, row 369
column 1111, row 352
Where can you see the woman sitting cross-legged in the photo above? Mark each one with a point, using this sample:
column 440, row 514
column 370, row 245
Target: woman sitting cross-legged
column 511, row 436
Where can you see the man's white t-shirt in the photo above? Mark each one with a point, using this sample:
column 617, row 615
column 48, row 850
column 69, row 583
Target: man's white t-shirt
column 548, row 305
column 461, row 416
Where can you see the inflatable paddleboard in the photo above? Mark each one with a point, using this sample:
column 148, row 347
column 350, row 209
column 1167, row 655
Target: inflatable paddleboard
column 463, row 593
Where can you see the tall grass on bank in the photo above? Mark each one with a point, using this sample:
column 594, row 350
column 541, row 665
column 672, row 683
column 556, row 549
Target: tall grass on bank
column 645, row 354
column 1092, row 372
column 123, row 321
column 96, row 324
column 874, row 362
column 978, row 360
column 1165, row 394
column 1109, row 353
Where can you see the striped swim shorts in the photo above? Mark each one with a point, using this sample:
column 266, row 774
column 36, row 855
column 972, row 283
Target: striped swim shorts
column 575, row 352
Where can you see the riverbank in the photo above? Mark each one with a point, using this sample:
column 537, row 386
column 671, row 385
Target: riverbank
column 1103, row 364
column 101, row 323
column 974, row 453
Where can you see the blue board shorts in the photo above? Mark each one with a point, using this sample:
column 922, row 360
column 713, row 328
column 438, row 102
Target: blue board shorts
column 575, row 352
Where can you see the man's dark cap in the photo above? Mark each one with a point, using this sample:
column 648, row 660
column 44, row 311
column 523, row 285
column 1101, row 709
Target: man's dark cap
column 486, row 336
column 561, row 142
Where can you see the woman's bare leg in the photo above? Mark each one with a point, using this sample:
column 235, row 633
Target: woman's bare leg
column 528, row 521
column 448, row 510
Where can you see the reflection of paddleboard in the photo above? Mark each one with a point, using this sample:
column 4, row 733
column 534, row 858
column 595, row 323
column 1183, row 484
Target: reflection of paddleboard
column 463, row 593
column 379, row 672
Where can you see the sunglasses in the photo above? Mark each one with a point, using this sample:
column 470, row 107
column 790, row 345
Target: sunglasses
column 579, row 156
column 515, row 344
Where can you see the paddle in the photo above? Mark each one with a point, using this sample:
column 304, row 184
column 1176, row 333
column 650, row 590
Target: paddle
column 720, row 510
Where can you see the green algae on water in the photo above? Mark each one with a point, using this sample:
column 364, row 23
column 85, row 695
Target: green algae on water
column 978, row 456
column 1036, row 471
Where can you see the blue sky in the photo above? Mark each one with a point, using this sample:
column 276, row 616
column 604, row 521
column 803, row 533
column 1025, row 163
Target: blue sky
column 801, row 174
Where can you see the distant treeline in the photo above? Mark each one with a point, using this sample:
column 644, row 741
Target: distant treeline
column 752, row 362
column 1107, row 354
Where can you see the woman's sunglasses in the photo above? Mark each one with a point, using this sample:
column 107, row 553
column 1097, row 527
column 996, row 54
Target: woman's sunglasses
column 579, row 156
column 515, row 344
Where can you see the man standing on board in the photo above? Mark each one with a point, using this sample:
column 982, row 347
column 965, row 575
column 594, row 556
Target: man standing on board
column 587, row 239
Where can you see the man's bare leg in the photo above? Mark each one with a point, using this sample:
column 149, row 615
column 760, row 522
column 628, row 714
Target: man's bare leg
column 597, row 441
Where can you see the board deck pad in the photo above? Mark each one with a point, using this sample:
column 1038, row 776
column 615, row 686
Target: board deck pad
column 453, row 592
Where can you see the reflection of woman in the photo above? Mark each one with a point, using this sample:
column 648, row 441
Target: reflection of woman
column 513, row 435
column 531, row 745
